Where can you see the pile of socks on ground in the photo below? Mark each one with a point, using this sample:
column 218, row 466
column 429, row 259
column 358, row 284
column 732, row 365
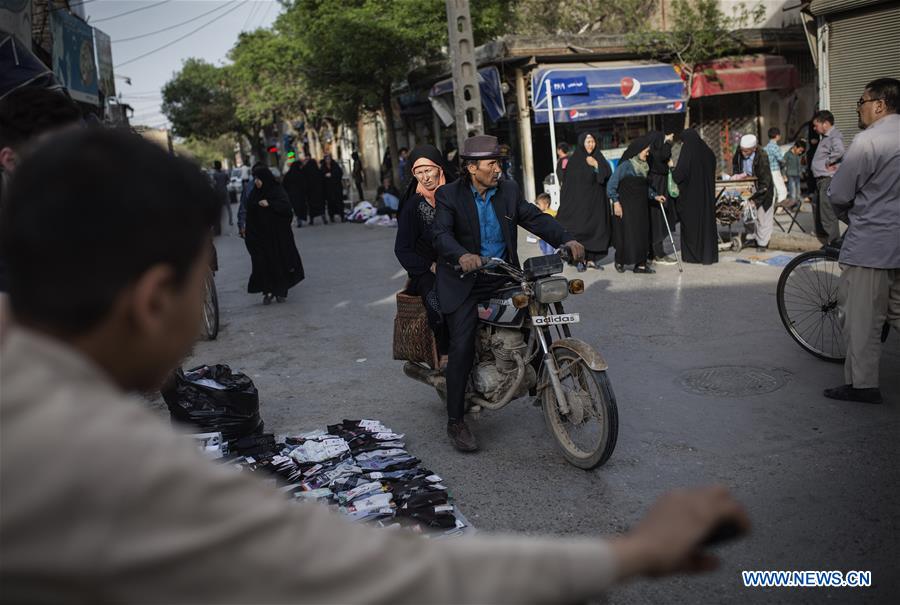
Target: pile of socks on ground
column 362, row 468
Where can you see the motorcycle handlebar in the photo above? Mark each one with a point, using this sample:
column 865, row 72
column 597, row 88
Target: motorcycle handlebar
column 484, row 261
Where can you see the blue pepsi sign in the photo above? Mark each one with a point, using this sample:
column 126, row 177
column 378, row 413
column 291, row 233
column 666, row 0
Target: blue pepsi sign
column 569, row 86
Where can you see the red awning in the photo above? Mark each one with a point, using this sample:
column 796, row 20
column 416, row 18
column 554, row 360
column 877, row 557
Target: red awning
column 744, row 74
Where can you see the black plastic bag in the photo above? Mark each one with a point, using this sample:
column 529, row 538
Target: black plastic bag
column 214, row 399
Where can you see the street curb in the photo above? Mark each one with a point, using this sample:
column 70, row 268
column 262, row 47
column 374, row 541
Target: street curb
column 790, row 242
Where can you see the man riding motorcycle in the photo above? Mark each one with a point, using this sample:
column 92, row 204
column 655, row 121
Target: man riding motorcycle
column 477, row 216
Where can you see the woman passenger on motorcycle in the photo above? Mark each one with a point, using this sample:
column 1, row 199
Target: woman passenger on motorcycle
column 413, row 245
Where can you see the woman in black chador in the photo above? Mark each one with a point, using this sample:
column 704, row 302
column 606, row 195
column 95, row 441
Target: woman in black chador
column 293, row 183
column 695, row 176
column 583, row 207
column 413, row 245
column 631, row 195
column 270, row 240
column 314, row 188
column 333, row 176
column 660, row 155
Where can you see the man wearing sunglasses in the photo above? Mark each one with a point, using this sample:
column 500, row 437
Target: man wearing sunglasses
column 865, row 192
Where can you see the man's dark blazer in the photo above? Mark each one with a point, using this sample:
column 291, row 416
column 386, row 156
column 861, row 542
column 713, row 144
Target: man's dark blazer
column 761, row 170
column 457, row 231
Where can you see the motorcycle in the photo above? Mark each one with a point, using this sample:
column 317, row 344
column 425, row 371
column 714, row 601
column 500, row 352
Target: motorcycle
column 524, row 345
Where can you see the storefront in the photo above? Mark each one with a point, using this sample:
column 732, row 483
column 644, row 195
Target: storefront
column 725, row 100
column 857, row 42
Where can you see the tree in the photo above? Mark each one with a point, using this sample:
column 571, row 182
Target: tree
column 266, row 77
column 197, row 101
column 539, row 17
column 354, row 51
column 205, row 151
column 700, row 32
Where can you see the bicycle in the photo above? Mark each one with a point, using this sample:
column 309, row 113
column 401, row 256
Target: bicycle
column 211, row 300
column 807, row 298
column 211, row 309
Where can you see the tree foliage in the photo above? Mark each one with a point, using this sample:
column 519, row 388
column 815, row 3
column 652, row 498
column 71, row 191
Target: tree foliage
column 205, row 151
column 322, row 60
column 701, row 31
column 198, row 101
column 265, row 77
column 539, row 17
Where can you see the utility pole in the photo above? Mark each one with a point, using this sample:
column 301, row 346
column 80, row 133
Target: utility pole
column 466, row 94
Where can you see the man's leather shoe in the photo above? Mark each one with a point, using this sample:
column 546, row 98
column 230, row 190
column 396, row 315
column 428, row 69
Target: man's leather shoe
column 462, row 437
column 644, row 269
column 846, row 392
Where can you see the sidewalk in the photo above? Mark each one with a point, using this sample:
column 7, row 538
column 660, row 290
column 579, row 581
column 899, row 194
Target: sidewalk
column 796, row 240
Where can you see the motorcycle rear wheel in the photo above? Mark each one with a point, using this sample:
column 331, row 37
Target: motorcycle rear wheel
column 600, row 418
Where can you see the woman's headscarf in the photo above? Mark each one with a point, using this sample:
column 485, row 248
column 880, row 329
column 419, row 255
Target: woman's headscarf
column 268, row 179
column 660, row 153
column 424, row 155
column 578, row 171
column 641, row 167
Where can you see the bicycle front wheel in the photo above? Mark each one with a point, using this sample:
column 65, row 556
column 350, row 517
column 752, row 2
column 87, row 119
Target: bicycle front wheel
column 808, row 304
column 211, row 309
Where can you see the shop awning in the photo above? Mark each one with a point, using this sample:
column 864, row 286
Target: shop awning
column 20, row 67
column 744, row 74
column 607, row 90
column 489, row 84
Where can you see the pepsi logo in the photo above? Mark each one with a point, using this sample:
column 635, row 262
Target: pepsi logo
column 630, row 86
column 678, row 105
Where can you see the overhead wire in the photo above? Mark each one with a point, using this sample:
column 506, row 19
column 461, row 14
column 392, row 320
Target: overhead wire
column 130, row 12
column 177, row 25
column 262, row 22
column 253, row 6
column 180, row 38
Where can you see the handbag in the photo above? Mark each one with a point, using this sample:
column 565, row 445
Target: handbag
column 413, row 338
column 671, row 185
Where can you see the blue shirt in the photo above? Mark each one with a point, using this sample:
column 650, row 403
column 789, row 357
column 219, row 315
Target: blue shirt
column 492, row 243
column 748, row 164
column 775, row 156
column 390, row 201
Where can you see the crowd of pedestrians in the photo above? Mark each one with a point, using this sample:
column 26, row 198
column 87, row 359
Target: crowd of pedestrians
column 634, row 207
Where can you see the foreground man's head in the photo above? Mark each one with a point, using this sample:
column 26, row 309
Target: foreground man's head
column 109, row 251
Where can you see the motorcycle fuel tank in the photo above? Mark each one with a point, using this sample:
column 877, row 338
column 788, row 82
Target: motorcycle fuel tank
column 499, row 310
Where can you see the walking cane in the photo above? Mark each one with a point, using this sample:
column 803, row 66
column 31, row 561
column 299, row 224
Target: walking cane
column 671, row 238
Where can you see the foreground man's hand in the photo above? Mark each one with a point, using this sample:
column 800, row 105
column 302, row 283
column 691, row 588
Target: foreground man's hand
column 576, row 249
column 669, row 539
column 469, row 262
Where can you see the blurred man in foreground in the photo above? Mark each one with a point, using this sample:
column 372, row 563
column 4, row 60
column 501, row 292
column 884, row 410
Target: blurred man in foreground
column 101, row 501
column 27, row 115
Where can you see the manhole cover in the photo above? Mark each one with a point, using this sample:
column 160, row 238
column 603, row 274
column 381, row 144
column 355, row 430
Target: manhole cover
column 732, row 381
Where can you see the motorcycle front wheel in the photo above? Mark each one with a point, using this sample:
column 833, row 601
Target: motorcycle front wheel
column 587, row 434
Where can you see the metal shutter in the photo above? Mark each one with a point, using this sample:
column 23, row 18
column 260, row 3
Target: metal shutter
column 864, row 45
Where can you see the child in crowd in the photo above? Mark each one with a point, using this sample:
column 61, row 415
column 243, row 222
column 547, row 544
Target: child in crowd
column 543, row 202
column 793, row 170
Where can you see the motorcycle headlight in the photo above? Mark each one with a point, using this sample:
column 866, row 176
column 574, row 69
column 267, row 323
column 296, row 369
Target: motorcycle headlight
column 551, row 289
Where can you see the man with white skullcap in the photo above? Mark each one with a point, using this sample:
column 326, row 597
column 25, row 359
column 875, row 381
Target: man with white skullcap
column 752, row 160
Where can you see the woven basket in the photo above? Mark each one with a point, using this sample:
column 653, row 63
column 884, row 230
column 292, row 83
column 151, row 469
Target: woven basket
column 413, row 338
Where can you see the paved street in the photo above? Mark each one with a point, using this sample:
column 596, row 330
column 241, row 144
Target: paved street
column 819, row 477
